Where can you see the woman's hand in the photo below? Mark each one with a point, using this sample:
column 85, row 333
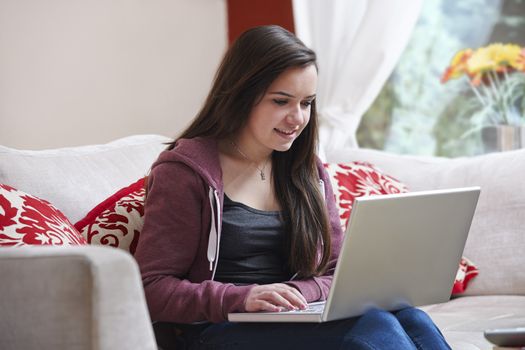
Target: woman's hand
column 274, row 297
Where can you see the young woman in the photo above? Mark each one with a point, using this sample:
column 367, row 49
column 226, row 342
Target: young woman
column 240, row 215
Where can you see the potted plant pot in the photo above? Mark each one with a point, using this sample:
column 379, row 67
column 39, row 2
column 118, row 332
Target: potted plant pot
column 497, row 138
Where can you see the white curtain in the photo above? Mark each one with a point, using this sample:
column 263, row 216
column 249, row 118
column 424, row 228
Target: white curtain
column 358, row 43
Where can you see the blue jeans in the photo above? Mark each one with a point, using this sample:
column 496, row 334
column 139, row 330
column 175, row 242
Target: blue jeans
column 408, row 328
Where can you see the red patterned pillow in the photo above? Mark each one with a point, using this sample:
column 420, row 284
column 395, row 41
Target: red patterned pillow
column 118, row 220
column 355, row 179
column 28, row 220
column 467, row 270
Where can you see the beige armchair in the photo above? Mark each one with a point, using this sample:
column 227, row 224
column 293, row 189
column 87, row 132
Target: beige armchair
column 83, row 298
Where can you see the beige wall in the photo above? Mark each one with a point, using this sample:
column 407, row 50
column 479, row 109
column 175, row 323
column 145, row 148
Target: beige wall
column 75, row 72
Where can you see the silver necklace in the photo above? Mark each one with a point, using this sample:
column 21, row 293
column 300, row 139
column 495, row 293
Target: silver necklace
column 261, row 169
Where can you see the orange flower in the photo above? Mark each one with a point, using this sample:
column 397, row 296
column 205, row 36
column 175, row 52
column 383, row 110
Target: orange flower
column 458, row 65
column 497, row 58
column 520, row 61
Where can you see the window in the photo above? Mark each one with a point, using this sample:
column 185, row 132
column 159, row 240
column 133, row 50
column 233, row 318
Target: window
column 416, row 114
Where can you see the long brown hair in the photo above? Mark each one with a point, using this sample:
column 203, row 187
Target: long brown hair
column 248, row 68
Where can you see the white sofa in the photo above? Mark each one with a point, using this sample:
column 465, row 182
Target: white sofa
column 91, row 297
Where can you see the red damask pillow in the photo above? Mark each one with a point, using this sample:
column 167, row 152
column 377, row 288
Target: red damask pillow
column 118, row 220
column 28, row 220
column 467, row 270
column 355, row 179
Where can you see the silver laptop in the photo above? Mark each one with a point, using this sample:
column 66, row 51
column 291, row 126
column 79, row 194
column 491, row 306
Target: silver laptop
column 399, row 250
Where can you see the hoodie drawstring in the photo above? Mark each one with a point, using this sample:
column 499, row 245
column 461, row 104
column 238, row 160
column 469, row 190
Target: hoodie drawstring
column 215, row 230
column 323, row 193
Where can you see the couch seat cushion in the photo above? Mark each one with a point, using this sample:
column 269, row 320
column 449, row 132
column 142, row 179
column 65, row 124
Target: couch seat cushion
column 463, row 320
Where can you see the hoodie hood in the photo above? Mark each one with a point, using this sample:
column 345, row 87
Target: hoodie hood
column 200, row 154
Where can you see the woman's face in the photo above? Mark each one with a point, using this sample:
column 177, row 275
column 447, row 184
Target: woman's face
column 282, row 113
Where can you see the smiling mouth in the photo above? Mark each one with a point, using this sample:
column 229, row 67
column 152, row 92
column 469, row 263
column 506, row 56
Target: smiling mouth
column 285, row 132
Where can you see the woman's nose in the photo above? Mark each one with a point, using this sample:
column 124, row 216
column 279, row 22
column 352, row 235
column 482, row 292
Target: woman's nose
column 295, row 116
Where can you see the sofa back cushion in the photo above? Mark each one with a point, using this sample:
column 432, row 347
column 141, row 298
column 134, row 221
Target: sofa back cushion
column 75, row 179
column 496, row 241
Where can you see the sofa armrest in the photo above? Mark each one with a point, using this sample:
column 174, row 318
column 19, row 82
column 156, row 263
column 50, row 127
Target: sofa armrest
column 81, row 297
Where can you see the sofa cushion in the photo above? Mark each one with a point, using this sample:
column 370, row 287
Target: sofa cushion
column 466, row 271
column 28, row 220
column 496, row 241
column 355, row 179
column 463, row 320
column 118, row 220
column 76, row 179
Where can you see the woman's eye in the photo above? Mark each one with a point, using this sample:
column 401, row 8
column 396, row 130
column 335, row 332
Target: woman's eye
column 306, row 103
column 280, row 102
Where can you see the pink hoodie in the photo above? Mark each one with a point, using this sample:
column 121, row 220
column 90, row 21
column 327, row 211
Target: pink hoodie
column 179, row 243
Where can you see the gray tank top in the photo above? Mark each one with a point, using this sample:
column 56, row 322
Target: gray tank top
column 252, row 247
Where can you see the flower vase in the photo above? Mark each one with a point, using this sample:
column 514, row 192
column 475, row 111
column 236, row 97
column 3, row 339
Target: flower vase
column 498, row 138
column 522, row 136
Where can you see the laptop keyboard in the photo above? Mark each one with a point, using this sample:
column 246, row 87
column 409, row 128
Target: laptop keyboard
column 313, row 308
